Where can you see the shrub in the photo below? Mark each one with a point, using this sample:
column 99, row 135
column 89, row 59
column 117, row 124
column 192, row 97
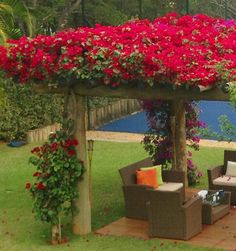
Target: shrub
column 24, row 110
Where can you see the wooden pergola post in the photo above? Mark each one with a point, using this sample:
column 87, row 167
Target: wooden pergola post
column 82, row 218
column 179, row 139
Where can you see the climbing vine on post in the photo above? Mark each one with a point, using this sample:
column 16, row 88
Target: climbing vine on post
column 57, row 173
column 158, row 140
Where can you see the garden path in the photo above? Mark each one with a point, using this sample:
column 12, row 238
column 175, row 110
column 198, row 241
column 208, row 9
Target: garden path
column 136, row 137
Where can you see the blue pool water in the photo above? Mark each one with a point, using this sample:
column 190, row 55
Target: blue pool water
column 210, row 111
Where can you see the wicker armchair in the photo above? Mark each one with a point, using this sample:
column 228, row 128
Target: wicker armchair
column 135, row 196
column 218, row 171
column 172, row 218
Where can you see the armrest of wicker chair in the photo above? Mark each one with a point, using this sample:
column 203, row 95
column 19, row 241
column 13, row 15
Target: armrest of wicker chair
column 173, row 176
column 193, row 214
column 214, row 173
column 192, row 203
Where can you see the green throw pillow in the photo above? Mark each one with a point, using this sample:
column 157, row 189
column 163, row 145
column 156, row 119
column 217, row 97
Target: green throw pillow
column 159, row 173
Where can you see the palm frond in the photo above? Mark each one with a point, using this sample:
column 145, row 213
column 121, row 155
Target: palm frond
column 18, row 11
column 6, row 8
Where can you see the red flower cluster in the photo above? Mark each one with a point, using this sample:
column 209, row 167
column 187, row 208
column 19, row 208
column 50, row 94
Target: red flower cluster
column 37, row 174
column 35, row 150
column 188, row 50
column 68, row 145
column 71, row 142
column 40, row 186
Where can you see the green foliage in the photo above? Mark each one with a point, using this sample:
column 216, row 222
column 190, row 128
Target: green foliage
column 2, row 97
column 51, row 14
column 96, row 102
column 232, row 91
column 23, row 110
column 47, row 14
column 216, row 8
column 228, row 130
column 57, row 173
column 107, row 14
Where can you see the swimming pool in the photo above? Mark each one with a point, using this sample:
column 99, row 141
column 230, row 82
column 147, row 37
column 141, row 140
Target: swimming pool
column 210, row 111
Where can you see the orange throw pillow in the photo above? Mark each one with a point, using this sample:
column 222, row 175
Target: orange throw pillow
column 147, row 177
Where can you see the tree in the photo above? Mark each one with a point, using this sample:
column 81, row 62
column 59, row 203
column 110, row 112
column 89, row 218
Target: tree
column 220, row 8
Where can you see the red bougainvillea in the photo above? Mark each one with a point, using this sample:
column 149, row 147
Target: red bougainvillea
column 188, row 50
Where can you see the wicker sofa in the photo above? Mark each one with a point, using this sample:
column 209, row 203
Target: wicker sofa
column 172, row 218
column 136, row 196
column 217, row 179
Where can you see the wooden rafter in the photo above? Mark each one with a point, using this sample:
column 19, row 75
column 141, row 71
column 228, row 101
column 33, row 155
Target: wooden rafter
column 139, row 93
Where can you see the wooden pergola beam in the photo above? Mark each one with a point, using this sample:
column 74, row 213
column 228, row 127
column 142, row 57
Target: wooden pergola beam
column 82, row 218
column 139, row 93
column 179, row 139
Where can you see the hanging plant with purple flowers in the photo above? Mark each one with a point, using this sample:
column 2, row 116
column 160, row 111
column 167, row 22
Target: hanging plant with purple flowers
column 158, row 140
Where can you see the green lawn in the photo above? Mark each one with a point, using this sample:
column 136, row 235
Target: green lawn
column 19, row 231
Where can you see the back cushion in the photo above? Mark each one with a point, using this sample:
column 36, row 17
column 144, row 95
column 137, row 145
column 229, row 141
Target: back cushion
column 159, row 173
column 128, row 173
column 147, row 177
column 231, row 169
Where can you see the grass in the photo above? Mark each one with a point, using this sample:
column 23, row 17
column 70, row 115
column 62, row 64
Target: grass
column 19, row 231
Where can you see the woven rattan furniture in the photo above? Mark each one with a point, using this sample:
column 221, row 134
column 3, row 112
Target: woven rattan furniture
column 170, row 217
column 210, row 214
column 217, row 173
column 135, row 196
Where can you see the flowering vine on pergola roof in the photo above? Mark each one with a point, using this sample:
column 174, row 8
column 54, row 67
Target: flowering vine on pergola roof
column 187, row 51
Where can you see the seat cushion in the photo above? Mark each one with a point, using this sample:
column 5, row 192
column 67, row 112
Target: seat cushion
column 170, row 186
column 225, row 181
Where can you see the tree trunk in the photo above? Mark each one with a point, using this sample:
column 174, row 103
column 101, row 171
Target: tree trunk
column 56, row 234
column 69, row 7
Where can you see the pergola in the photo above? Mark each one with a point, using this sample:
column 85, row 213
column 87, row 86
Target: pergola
column 146, row 60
